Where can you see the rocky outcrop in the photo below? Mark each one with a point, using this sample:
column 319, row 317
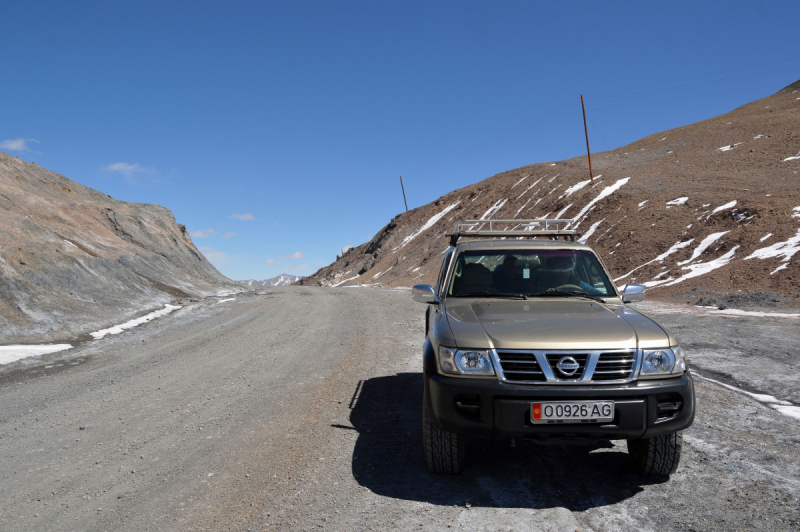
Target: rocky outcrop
column 73, row 259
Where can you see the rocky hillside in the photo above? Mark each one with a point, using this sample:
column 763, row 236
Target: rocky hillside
column 73, row 259
column 283, row 279
column 709, row 209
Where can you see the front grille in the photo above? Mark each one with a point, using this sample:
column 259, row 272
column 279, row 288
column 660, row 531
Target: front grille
column 554, row 358
column 613, row 367
column 520, row 366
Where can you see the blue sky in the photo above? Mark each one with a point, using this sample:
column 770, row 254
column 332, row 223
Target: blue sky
column 276, row 131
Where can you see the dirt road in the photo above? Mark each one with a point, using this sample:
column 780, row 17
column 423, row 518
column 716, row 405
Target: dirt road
column 299, row 408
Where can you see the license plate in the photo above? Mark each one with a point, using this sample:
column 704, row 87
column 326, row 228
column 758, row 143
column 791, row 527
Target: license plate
column 572, row 412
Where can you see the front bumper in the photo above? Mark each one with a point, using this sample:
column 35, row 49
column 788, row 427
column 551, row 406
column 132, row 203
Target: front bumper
column 486, row 408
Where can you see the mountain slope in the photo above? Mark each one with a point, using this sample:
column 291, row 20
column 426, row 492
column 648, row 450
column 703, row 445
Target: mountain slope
column 73, row 259
column 708, row 208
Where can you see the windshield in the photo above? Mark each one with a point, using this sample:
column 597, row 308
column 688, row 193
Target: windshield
column 528, row 273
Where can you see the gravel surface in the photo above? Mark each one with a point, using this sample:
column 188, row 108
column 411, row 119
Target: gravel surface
column 299, row 408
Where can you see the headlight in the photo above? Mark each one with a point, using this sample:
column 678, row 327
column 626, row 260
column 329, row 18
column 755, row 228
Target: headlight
column 660, row 362
column 466, row 362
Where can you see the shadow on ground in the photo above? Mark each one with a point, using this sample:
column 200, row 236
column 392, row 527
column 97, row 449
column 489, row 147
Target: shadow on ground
column 386, row 412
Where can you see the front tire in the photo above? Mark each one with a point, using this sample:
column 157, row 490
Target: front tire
column 445, row 451
column 658, row 456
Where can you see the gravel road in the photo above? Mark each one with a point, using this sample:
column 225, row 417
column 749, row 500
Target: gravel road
column 299, row 408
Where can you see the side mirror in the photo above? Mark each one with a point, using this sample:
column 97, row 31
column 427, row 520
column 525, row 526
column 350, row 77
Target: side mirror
column 423, row 293
column 632, row 293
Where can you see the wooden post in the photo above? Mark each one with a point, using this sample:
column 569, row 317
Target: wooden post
column 586, row 129
column 404, row 192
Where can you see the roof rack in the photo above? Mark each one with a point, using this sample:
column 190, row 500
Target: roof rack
column 521, row 228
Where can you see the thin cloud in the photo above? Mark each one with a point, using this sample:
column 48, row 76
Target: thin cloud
column 298, row 267
column 204, row 249
column 246, row 217
column 229, row 235
column 126, row 169
column 270, row 261
column 295, row 255
column 17, row 144
column 202, row 233
column 218, row 258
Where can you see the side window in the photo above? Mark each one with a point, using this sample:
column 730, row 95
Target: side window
column 443, row 272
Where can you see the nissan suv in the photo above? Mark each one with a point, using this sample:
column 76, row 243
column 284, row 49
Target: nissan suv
column 527, row 339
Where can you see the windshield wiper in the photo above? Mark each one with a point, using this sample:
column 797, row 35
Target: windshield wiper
column 568, row 293
column 486, row 293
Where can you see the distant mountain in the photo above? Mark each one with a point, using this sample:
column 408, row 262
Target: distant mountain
column 73, row 259
column 711, row 208
column 281, row 280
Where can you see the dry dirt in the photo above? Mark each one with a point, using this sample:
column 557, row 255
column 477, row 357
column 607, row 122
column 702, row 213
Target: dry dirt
column 750, row 156
column 299, row 409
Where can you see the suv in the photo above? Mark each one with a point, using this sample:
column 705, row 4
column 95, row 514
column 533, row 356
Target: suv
column 528, row 339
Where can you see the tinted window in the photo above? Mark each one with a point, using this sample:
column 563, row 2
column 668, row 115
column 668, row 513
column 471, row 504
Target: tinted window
column 528, row 272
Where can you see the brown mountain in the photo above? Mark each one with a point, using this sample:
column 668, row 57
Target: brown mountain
column 708, row 209
column 73, row 259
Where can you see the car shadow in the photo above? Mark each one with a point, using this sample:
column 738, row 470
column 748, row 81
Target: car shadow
column 388, row 460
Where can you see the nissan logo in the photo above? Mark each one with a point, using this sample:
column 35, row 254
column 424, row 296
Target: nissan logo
column 568, row 366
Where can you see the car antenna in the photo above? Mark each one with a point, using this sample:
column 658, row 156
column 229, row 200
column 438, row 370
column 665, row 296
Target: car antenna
column 404, row 192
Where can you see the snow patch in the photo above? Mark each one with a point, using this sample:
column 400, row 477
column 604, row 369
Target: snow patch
column 117, row 329
column 520, row 181
column 590, row 232
column 604, row 194
column 576, row 187
column 562, row 211
column 226, row 300
column 784, row 407
column 430, row 223
column 679, row 201
column 765, row 237
column 642, row 203
column 702, row 268
column 786, row 249
column 494, row 208
column 675, row 247
column 729, row 147
column 723, row 207
column 350, row 279
column 707, row 241
column 12, row 353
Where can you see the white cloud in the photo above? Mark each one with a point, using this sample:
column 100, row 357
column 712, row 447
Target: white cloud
column 270, row 261
column 298, row 267
column 201, row 233
column 203, row 249
column 218, row 258
column 246, row 217
column 126, row 169
column 229, row 235
column 17, row 144
column 295, row 255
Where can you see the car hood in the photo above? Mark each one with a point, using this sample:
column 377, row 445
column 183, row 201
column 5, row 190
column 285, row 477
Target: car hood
column 552, row 323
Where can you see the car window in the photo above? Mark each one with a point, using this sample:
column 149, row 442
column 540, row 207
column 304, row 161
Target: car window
column 528, row 272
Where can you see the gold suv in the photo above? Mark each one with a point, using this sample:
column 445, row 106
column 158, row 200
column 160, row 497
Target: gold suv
column 527, row 339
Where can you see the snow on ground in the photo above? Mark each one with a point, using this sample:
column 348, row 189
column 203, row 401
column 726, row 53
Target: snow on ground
column 765, row 237
column 576, row 187
column 795, row 157
column 702, row 268
column 117, row 329
column 590, row 232
column 723, row 207
column 12, row 353
column 493, row 209
column 754, row 313
column 356, row 277
column 604, row 194
column 675, row 247
column 729, row 147
column 642, row 203
column 223, row 293
column 707, row 241
column 381, row 273
column 679, row 201
column 784, row 407
column 226, row 300
column 521, row 180
column 562, row 211
column 786, row 249
column 430, row 223
column 796, row 210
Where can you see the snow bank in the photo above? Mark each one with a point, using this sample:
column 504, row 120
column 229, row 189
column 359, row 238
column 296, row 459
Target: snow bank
column 707, row 241
column 604, row 194
column 576, row 187
column 679, row 201
column 12, row 353
column 786, row 249
column 590, row 232
column 117, row 329
column 675, row 247
column 723, row 207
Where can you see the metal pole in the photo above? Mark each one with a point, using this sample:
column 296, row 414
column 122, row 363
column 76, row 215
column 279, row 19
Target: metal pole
column 404, row 192
column 586, row 129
